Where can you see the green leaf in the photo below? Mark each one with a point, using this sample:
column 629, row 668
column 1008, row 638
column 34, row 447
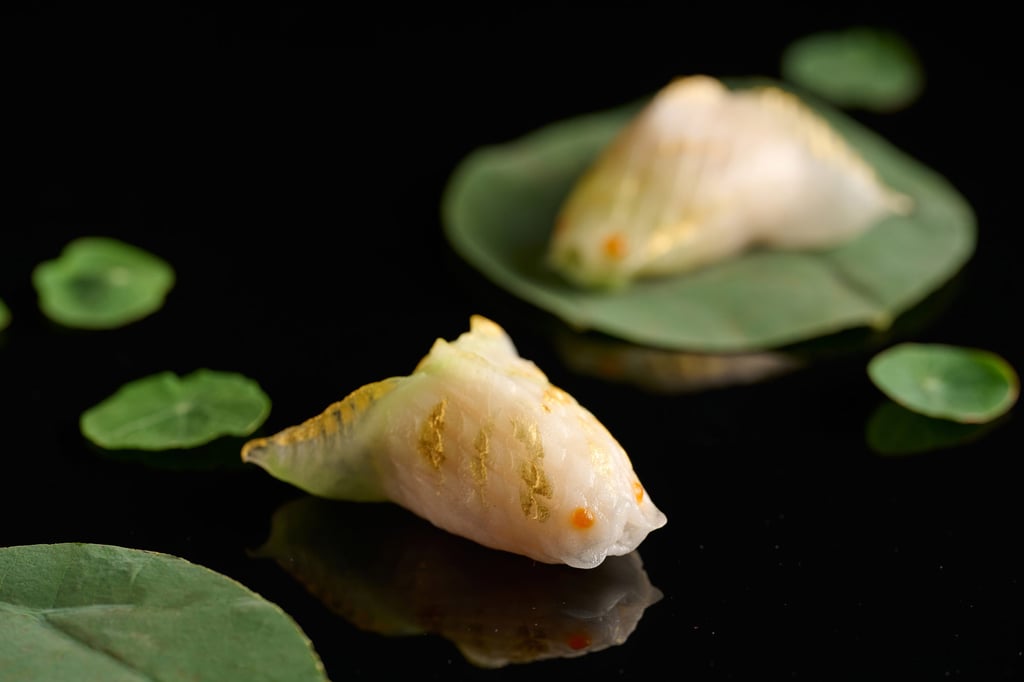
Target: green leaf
column 858, row 67
column 389, row 571
column 500, row 205
column 5, row 315
column 966, row 385
column 164, row 411
column 76, row 611
column 101, row 283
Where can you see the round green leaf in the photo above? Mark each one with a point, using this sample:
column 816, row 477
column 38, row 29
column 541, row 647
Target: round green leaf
column 5, row 315
column 165, row 411
column 500, row 205
column 858, row 67
column 101, row 283
column 965, row 385
column 76, row 611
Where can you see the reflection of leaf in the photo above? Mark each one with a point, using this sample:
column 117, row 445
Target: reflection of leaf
column 220, row 454
column 895, row 430
column 101, row 283
column 500, row 204
column 668, row 371
column 164, row 411
column 966, row 385
column 390, row 572
column 78, row 611
column 858, row 67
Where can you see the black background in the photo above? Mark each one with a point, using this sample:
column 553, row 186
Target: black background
column 289, row 163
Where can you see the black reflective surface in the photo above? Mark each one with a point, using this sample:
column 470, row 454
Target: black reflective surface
column 289, row 165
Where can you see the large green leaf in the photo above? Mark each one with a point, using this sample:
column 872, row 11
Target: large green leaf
column 667, row 371
column 86, row 612
column 101, row 283
column 164, row 411
column 5, row 315
column 500, row 204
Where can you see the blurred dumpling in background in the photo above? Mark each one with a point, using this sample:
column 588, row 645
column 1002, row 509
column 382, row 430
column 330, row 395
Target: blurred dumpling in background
column 703, row 173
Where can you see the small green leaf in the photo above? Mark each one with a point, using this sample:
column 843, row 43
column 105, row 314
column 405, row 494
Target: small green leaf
column 164, row 411
column 76, row 611
column 500, row 205
column 966, row 385
column 5, row 315
column 859, row 67
column 101, row 283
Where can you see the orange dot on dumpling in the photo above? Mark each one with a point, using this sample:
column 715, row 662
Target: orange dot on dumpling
column 578, row 640
column 582, row 517
column 614, row 246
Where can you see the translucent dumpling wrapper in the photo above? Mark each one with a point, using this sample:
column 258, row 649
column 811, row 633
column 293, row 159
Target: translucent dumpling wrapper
column 480, row 443
column 703, row 173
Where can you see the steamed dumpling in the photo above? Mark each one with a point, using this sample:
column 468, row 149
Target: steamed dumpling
column 478, row 442
column 703, row 173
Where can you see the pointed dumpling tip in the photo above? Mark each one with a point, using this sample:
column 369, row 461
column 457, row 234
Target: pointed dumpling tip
column 699, row 85
column 484, row 325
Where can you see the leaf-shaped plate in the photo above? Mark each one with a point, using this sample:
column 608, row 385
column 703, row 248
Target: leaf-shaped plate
column 164, row 411
column 500, row 205
column 76, row 611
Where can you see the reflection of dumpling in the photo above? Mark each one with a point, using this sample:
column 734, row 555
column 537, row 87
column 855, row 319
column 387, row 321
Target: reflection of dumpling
column 703, row 173
column 387, row 571
column 666, row 371
column 480, row 443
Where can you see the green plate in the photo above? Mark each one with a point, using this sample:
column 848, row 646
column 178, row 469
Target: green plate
column 500, row 204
